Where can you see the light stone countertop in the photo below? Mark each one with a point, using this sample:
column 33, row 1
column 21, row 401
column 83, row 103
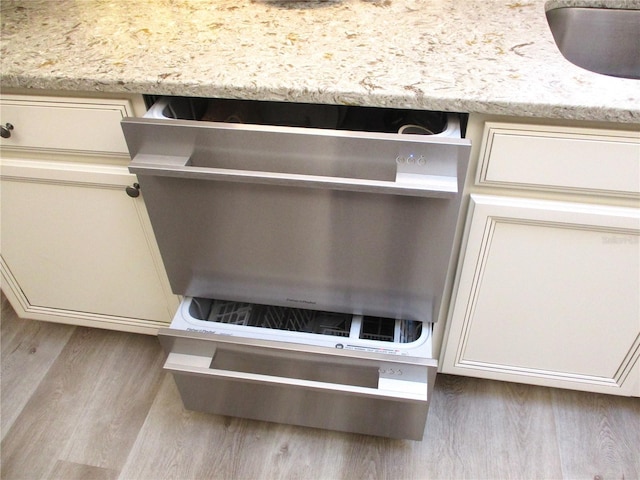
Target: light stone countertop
column 486, row 56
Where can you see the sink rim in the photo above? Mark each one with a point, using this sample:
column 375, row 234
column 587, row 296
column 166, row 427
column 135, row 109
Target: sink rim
column 598, row 39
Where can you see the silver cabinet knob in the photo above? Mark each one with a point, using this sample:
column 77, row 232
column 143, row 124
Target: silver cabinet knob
column 5, row 130
column 133, row 191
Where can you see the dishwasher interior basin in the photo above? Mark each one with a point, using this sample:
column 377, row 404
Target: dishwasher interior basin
column 602, row 40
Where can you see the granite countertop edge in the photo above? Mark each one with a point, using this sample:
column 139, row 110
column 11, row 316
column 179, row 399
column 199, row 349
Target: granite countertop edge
column 526, row 77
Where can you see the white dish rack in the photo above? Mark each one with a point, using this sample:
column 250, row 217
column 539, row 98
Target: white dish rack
column 296, row 325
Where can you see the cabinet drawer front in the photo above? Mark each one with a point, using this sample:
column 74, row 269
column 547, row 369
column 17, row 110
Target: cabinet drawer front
column 67, row 125
column 560, row 158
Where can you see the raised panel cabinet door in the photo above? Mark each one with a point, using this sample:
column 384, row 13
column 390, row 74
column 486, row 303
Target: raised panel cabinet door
column 548, row 293
column 76, row 247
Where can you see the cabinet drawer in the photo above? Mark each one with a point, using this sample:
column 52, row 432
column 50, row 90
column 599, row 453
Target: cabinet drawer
column 560, row 158
column 68, row 125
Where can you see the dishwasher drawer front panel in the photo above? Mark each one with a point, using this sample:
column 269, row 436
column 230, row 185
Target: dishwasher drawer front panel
column 309, row 386
column 417, row 165
column 361, row 253
column 345, row 221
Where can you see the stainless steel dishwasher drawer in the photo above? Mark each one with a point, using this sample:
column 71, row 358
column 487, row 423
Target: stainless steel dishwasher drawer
column 312, row 244
column 343, row 390
column 341, row 220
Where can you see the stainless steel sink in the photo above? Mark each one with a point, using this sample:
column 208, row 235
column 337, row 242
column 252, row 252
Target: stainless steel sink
column 602, row 40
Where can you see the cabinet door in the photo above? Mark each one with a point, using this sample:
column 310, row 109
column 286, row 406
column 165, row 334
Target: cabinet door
column 549, row 294
column 77, row 249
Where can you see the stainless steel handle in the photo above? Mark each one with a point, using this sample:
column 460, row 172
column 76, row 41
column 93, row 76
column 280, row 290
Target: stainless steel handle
column 437, row 186
column 388, row 388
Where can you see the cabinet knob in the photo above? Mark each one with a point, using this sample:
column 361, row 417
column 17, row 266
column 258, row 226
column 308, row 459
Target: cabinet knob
column 5, row 130
column 133, row 191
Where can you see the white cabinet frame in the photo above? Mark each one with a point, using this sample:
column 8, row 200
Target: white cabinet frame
column 75, row 247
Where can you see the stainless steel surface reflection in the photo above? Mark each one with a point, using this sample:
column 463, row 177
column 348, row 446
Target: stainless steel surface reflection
column 602, row 40
column 346, row 243
column 342, row 390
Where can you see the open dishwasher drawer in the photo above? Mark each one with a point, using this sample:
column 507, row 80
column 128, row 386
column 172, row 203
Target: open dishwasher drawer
column 312, row 245
column 343, row 372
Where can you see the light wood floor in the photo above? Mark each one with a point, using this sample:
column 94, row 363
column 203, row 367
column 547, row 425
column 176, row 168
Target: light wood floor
column 81, row 403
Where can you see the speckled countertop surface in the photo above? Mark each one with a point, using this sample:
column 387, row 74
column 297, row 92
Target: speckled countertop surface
column 488, row 56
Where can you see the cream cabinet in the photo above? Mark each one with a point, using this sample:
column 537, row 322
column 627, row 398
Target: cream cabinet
column 547, row 290
column 75, row 247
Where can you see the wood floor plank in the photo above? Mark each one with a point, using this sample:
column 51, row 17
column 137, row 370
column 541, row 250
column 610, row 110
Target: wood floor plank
column 81, row 399
column 131, row 374
column 476, row 429
column 366, row 457
column 520, row 431
column 33, row 445
column 598, row 435
column 75, row 471
column 286, row 451
column 27, row 351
